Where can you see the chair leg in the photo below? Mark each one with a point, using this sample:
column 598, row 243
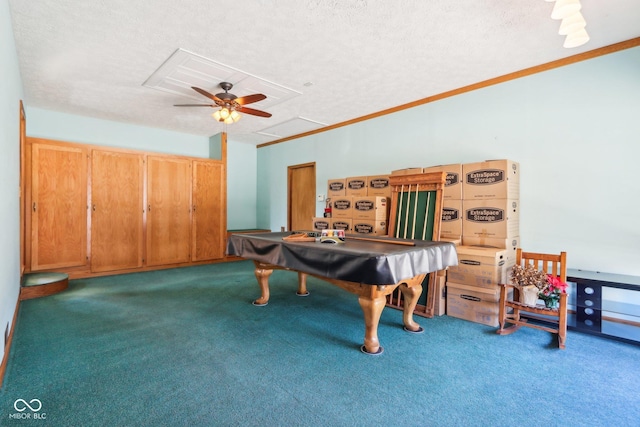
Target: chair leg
column 562, row 321
column 502, row 311
column 503, row 319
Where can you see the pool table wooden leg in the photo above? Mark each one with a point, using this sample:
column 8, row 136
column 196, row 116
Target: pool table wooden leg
column 302, row 285
column 262, row 274
column 411, row 291
column 372, row 308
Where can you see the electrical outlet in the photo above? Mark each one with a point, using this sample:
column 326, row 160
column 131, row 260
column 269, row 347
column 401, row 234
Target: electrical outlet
column 320, row 198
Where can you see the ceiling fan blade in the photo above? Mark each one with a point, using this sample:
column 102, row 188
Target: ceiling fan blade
column 207, row 94
column 254, row 112
column 244, row 100
column 194, row 105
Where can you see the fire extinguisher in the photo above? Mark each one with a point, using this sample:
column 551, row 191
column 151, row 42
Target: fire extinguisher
column 327, row 209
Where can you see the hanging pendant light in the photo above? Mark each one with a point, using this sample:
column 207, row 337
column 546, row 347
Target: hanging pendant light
column 571, row 24
column 565, row 8
column 575, row 39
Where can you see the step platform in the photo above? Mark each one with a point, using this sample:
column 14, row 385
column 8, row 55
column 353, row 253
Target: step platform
column 36, row 285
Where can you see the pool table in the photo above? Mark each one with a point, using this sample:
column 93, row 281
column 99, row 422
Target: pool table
column 371, row 268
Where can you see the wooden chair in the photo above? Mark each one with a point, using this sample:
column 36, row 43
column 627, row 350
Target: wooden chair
column 416, row 213
column 555, row 265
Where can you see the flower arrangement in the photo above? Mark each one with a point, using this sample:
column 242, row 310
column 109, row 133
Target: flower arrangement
column 544, row 286
column 528, row 275
column 550, row 294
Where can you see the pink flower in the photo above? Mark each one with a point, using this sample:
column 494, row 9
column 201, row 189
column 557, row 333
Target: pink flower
column 556, row 285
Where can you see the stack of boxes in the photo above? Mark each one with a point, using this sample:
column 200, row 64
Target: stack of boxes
column 358, row 205
column 481, row 215
column 451, row 223
column 490, row 236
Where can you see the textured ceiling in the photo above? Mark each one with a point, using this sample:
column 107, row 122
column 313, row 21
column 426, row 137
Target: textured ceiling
column 343, row 58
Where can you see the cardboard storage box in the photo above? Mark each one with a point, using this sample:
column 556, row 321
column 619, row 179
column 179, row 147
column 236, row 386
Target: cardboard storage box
column 341, row 207
column 370, row 207
column 320, row 223
column 479, row 305
column 375, row 227
column 451, row 223
column 406, row 171
column 440, row 307
column 455, row 240
column 496, row 218
column 453, row 184
column 493, row 179
column 336, row 188
column 510, row 244
column 356, row 186
column 378, row 185
column 341, row 224
column 480, row 266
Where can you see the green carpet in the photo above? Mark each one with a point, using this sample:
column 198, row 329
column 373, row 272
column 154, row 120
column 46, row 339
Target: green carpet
column 186, row 347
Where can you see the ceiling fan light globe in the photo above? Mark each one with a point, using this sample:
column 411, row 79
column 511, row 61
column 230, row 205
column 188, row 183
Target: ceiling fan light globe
column 565, row 8
column 235, row 116
column 224, row 113
column 216, row 115
column 228, row 120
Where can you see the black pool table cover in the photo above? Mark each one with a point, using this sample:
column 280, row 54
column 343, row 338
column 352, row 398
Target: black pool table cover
column 360, row 261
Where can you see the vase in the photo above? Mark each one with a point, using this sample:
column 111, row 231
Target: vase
column 550, row 302
column 529, row 295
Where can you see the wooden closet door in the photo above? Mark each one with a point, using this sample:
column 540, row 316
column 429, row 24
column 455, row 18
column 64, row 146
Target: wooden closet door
column 116, row 210
column 168, row 210
column 301, row 197
column 58, row 206
column 209, row 215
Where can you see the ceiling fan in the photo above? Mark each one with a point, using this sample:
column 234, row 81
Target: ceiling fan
column 230, row 104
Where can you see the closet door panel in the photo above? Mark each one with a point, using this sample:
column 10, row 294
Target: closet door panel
column 116, row 210
column 209, row 225
column 58, row 206
column 168, row 210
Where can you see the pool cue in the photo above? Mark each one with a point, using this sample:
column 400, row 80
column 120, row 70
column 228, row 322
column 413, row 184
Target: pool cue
column 415, row 211
column 406, row 218
column 426, row 215
column 393, row 242
column 399, row 210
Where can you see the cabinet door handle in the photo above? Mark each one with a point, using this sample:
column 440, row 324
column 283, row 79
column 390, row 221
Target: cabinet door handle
column 94, row 208
column 34, row 206
column 194, row 208
column 149, row 208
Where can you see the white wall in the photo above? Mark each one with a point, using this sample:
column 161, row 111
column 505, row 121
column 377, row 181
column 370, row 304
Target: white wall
column 575, row 131
column 11, row 90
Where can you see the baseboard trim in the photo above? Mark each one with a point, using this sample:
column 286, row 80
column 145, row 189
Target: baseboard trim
column 7, row 347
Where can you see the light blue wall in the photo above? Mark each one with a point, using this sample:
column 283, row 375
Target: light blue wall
column 86, row 130
column 11, row 93
column 575, row 131
column 241, row 185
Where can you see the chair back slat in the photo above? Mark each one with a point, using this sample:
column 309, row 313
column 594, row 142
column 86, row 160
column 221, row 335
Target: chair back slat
column 556, row 265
